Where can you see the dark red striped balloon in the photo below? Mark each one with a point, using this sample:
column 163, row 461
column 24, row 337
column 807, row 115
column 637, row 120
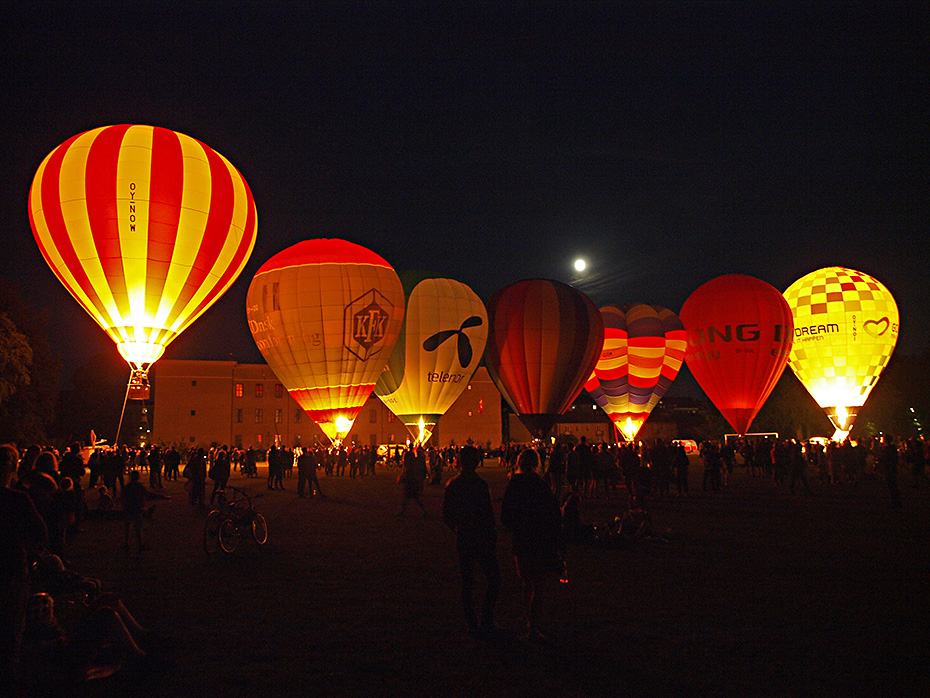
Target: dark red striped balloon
column 544, row 340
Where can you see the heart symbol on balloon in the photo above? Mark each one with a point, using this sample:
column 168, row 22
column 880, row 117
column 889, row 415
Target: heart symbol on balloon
column 876, row 328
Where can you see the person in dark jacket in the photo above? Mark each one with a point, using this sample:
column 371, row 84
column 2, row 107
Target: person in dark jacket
column 531, row 513
column 467, row 510
column 22, row 535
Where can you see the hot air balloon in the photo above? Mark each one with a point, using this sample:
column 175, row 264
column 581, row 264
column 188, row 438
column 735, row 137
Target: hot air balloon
column 445, row 331
column 739, row 334
column 146, row 228
column 326, row 314
column 845, row 329
column 644, row 347
column 544, row 341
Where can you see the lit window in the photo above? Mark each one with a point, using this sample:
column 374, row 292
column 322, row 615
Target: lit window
column 258, row 415
column 259, row 390
column 469, row 413
column 278, row 415
column 238, row 390
column 278, row 390
column 390, row 417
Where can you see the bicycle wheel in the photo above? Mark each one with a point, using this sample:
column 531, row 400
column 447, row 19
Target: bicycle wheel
column 259, row 528
column 229, row 535
column 211, row 532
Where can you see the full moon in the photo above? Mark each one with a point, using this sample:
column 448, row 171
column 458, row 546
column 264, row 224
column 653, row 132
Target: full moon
column 580, row 265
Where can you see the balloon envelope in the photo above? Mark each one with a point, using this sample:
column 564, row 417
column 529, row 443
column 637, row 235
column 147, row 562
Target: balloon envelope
column 545, row 339
column 145, row 227
column 326, row 314
column 644, row 347
column 739, row 334
column 845, row 329
column 444, row 335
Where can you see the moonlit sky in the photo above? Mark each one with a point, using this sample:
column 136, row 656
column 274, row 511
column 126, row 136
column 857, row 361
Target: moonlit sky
column 665, row 143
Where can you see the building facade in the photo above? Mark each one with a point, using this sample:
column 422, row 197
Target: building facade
column 202, row 403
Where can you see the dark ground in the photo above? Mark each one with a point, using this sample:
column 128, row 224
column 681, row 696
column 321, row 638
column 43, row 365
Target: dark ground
column 756, row 593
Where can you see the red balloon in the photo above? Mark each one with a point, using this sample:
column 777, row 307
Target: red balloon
column 544, row 340
column 739, row 335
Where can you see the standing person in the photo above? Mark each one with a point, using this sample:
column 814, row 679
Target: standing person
column 155, row 461
column 72, row 466
column 22, row 533
column 888, row 468
column 412, row 477
column 133, row 497
column 196, row 473
column 220, row 472
column 681, row 470
column 308, row 463
column 467, row 510
column 531, row 513
column 798, row 465
column 172, row 463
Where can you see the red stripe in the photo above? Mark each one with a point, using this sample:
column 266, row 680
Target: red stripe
column 100, row 192
column 245, row 244
column 219, row 219
column 167, row 190
column 58, row 232
column 653, row 342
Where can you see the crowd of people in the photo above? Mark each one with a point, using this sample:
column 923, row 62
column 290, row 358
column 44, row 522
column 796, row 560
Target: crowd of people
column 41, row 507
column 44, row 502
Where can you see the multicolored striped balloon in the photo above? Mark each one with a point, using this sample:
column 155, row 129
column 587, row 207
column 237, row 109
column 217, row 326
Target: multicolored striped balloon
column 326, row 314
column 644, row 347
column 145, row 227
column 544, row 341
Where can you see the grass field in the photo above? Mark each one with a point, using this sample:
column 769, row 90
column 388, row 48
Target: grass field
column 755, row 592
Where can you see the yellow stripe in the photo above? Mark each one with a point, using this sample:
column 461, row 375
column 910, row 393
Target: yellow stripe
column 195, row 203
column 133, row 176
column 73, row 196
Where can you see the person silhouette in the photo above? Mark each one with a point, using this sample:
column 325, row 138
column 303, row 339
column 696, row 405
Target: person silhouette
column 467, row 510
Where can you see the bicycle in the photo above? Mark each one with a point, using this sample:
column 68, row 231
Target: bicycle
column 226, row 525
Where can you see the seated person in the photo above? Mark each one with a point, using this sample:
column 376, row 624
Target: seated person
column 104, row 638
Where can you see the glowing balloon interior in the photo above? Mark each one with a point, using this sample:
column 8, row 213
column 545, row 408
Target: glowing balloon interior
column 444, row 335
column 644, row 347
column 739, row 335
column 145, row 227
column 845, row 330
column 326, row 314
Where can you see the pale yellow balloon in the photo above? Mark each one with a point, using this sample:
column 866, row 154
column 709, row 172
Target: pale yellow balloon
column 445, row 331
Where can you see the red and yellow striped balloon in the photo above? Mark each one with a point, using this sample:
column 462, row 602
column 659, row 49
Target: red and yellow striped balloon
column 145, row 227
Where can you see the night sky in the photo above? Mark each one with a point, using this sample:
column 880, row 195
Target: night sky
column 665, row 143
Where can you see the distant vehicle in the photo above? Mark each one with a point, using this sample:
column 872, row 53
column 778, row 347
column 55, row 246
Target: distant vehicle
column 391, row 451
column 689, row 444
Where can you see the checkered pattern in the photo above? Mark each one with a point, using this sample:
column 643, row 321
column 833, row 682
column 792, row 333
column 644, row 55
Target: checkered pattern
column 846, row 327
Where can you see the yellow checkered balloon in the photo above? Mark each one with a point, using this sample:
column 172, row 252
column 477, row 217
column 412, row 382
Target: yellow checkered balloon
column 845, row 329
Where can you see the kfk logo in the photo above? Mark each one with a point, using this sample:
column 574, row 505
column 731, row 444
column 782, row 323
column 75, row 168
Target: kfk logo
column 432, row 343
column 366, row 323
